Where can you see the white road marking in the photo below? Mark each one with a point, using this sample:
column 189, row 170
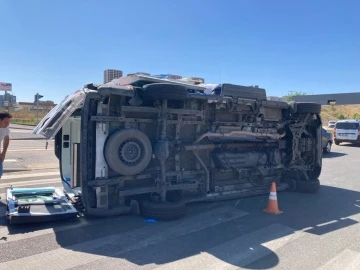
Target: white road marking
column 326, row 223
column 240, row 251
column 12, row 237
column 28, row 175
column 346, row 260
column 31, row 149
column 30, row 182
column 211, row 218
column 10, row 160
column 88, row 251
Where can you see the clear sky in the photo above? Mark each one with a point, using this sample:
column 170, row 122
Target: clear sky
column 55, row 47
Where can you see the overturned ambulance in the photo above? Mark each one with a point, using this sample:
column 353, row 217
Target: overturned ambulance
column 149, row 145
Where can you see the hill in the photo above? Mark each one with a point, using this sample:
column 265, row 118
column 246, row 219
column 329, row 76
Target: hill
column 338, row 112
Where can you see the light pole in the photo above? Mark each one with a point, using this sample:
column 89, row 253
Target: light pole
column 37, row 98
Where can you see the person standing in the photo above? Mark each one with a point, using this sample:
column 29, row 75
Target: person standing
column 5, row 119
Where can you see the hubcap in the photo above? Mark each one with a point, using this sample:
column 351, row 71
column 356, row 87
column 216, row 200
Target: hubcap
column 130, row 152
column 328, row 147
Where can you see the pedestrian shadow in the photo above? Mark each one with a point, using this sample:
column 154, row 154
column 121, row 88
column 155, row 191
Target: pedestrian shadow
column 203, row 237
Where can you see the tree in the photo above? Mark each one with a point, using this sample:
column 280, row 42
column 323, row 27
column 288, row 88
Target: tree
column 291, row 94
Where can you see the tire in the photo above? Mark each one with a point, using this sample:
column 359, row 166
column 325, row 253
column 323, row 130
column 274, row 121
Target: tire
column 308, row 107
column 162, row 91
column 128, row 152
column 327, row 148
column 163, row 211
column 337, row 142
column 308, row 186
column 315, row 172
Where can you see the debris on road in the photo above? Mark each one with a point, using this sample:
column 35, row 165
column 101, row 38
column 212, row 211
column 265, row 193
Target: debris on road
column 150, row 220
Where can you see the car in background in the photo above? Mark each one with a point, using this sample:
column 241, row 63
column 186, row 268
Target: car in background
column 331, row 123
column 347, row 131
column 327, row 140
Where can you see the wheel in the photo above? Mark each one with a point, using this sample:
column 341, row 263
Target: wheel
column 308, row 107
column 327, row 148
column 128, row 151
column 337, row 142
column 161, row 91
column 163, row 211
column 308, row 186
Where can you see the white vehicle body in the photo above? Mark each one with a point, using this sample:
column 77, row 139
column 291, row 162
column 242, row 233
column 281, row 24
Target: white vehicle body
column 331, row 123
column 151, row 145
column 347, row 131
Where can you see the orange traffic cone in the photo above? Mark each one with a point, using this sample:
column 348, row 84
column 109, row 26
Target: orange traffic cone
column 272, row 207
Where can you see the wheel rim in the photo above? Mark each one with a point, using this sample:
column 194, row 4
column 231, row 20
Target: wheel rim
column 328, row 147
column 130, row 152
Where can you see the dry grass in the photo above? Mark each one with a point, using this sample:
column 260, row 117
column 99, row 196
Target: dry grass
column 26, row 118
column 337, row 112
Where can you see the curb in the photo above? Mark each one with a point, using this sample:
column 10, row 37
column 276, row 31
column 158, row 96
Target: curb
column 22, row 128
column 23, row 125
column 10, row 170
column 26, row 139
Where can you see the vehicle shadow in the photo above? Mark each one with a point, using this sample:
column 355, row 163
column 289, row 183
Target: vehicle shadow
column 2, row 213
column 350, row 145
column 333, row 155
column 227, row 237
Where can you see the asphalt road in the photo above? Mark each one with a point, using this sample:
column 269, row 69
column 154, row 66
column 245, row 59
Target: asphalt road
column 17, row 126
column 23, row 132
column 316, row 231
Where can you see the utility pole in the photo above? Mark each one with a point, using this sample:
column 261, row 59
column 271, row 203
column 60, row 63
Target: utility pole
column 37, row 98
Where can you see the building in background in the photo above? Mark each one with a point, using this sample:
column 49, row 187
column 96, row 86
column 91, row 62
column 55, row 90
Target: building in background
column 7, row 99
column 331, row 99
column 11, row 99
column 111, row 74
column 32, row 106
